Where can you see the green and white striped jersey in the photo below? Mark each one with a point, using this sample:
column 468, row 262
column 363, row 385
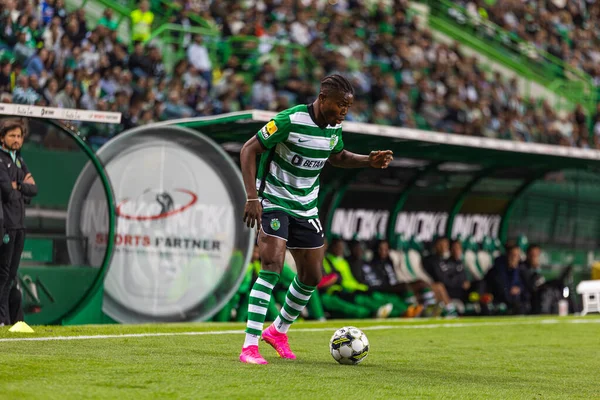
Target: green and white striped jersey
column 298, row 150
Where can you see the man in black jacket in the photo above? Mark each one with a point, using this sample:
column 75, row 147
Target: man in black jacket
column 16, row 184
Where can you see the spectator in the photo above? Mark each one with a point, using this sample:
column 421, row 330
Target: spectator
column 23, row 49
column 380, row 276
column 52, row 34
column 89, row 100
column 402, row 76
column 175, row 107
column 47, row 11
column 107, row 20
column 50, row 90
column 141, row 21
column 65, row 98
column 23, row 94
column 138, row 63
column 36, row 64
column 5, row 77
column 11, row 11
column 197, row 55
column 504, row 281
column 263, row 93
column 343, row 296
column 157, row 68
column 435, row 266
column 60, row 10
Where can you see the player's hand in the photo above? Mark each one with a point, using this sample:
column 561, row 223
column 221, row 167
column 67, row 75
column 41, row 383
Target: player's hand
column 252, row 213
column 14, row 184
column 380, row 158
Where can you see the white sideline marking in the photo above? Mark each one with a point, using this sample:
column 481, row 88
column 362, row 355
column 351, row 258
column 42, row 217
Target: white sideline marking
column 366, row 328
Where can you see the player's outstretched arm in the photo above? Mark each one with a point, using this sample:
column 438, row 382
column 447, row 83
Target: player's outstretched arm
column 376, row 159
column 253, row 208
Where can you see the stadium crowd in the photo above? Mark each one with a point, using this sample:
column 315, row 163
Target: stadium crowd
column 364, row 280
column 401, row 75
column 565, row 29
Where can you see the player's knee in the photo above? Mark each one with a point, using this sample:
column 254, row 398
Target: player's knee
column 272, row 266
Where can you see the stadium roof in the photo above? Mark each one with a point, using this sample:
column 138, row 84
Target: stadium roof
column 413, row 143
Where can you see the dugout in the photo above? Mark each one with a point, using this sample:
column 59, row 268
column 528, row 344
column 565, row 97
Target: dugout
column 449, row 184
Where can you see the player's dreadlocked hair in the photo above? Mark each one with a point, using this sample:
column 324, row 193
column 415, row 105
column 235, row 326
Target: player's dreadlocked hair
column 336, row 83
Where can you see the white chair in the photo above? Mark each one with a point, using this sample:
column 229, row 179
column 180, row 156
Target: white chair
column 590, row 291
column 478, row 263
column 416, row 262
column 415, row 272
column 397, row 258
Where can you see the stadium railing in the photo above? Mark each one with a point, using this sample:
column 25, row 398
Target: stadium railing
column 508, row 49
column 163, row 10
column 173, row 35
column 220, row 49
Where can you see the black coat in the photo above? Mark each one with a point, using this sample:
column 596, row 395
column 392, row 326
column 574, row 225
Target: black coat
column 13, row 200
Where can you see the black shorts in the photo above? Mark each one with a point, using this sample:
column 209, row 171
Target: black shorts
column 299, row 233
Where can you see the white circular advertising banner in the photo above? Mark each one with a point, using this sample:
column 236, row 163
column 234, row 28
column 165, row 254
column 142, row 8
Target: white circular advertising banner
column 181, row 247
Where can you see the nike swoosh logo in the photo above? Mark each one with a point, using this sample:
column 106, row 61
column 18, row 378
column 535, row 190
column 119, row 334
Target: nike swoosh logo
column 302, row 141
column 263, row 303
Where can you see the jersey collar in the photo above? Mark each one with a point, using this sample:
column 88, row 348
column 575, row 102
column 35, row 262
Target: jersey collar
column 311, row 112
column 13, row 154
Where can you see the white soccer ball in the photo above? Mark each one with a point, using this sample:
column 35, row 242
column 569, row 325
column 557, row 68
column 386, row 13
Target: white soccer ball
column 349, row 345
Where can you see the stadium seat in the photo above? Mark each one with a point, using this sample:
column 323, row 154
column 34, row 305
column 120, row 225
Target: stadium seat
column 410, row 267
column 397, row 257
column 590, row 291
column 477, row 260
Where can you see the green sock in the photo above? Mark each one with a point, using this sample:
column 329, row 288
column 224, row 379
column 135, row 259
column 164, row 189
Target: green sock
column 296, row 299
column 258, row 305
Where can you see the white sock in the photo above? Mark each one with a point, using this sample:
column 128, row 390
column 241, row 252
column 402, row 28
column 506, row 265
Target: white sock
column 251, row 340
column 281, row 326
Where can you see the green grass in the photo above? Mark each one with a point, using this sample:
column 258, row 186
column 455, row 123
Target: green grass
column 501, row 358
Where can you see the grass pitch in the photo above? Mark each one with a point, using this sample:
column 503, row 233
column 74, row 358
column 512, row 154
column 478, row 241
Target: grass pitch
column 501, row 358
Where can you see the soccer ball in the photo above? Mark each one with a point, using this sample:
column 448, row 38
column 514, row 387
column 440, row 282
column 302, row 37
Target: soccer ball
column 349, row 345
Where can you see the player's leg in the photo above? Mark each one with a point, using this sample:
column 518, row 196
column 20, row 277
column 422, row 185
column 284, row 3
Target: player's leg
column 314, row 306
column 442, row 294
column 308, row 263
column 271, row 242
column 305, row 241
column 345, row 309
column 380, row 306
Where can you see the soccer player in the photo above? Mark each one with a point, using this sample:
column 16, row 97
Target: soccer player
column 282, row 203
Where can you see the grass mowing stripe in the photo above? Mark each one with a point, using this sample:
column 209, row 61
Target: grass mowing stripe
column 366, row 328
